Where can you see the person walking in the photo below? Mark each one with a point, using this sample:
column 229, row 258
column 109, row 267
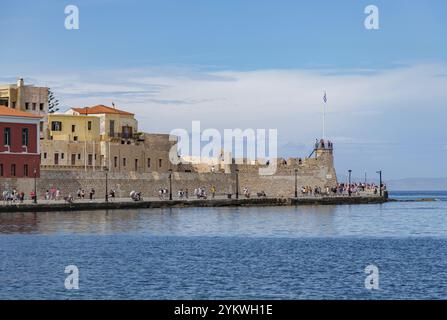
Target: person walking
column 160, row 193
column 92, row 194
column 32, row 195
column 112, row 194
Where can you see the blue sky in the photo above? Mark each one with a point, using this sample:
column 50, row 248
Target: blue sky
column 252, row 64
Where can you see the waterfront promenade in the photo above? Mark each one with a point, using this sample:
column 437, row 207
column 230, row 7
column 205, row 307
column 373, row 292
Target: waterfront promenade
column 155, row 202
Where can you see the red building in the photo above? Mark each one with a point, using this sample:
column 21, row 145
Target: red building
column 19, row 144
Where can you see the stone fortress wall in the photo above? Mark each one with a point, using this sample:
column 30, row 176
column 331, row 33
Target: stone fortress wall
column 78, row 149
column 316, row 171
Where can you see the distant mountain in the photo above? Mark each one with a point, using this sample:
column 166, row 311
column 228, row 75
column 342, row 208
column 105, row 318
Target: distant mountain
column 417, row 184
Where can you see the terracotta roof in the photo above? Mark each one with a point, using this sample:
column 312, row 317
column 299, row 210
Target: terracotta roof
column 98, row 109
column 9, row 112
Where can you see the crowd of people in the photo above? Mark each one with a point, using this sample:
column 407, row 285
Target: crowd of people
column 51, row 194
column 13, row 196
column 136, row 196
column 81, row 194
column 342, row 189
column 183, row 194
column 322, row 144
column 162, row 193
column 54, row 193
column 200, row 193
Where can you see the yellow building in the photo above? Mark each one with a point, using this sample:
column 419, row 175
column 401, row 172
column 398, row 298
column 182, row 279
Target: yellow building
column 115, row 124
column 73, row 128
column 71, row 141
column 100, row 137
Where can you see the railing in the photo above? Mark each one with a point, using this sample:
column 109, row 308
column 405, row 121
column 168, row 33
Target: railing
column 121, row 135
column 322, row 145
column 69, row 167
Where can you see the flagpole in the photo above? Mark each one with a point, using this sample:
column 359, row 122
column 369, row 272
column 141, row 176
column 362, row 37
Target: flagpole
column 324, row 121
column 324, row 115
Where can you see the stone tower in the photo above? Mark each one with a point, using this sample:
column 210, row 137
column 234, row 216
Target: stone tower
column 324, row 153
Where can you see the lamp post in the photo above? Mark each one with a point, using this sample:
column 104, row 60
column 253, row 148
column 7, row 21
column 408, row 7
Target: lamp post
column 237, row 183
column 349, row 186
column 170, row 184
column 380, row 182
column 107, row 187
column 35, row 186
column 296, row 183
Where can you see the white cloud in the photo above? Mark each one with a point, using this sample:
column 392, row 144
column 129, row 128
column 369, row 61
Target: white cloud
column 289, row 100
column 393, row 117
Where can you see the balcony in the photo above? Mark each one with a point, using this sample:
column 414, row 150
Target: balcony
column 125, row 136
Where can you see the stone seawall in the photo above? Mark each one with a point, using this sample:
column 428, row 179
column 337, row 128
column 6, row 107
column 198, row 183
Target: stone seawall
column 252, row 202
column 123, row 183
column 311, row 172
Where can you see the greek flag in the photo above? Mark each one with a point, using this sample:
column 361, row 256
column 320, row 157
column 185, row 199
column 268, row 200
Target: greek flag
column 324, row 97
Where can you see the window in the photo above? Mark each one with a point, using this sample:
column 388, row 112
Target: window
column 27, row 105
column 159, row 163
column 25, row 134
column 56, row 158
column 41, row 126
column 25, row 170
column 148, row 162
column 126, row 132
column 79, row 156
column 136, row 164
column 1, row 169
column 34, row 105
column 90, row 159
column 112, row 128
column 124, row 162
column 44, row 155
column 89, row 125
column 13, row 170
column 75, row 138
column 73, row 159
column 7, row 136
column 56, row 126
column 115, row 162
column 13, row 105
column 73, row 128
column 41, row 106
column 62, row 155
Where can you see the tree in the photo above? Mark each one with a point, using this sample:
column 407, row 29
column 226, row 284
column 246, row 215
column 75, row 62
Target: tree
column 53, row 103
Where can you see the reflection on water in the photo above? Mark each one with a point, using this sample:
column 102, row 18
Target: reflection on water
column 308, row 252
column 390, row 219
column 172, row 221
